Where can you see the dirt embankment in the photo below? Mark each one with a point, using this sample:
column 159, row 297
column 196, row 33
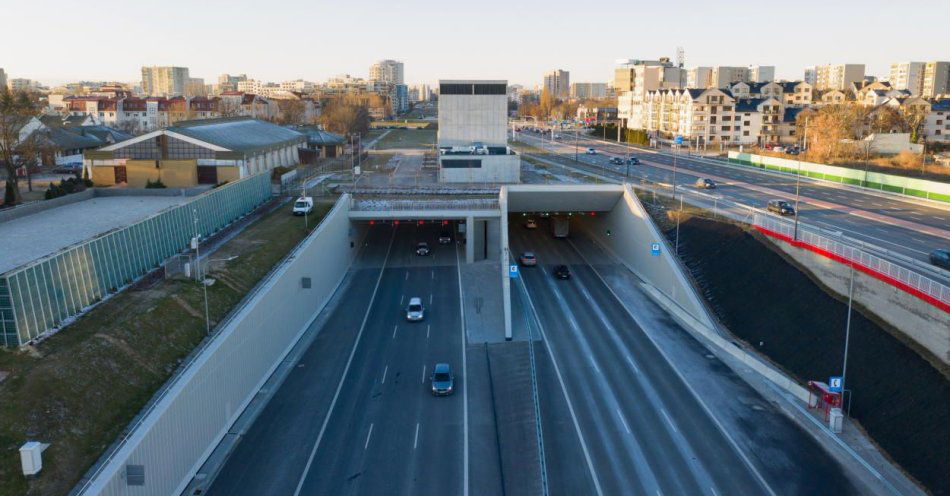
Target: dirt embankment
column 898, row 397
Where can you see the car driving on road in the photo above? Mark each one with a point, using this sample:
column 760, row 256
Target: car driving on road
column 443, row 383
column 528, row 259
column 780, row 207
column 616, row 160
column 303, row 205
column 940, row 258
column 531, row 224
column 705, row 183
column 445, row 238
column 562, row 272
column 422, row 249
column 591, row 151
column 633, row 161
column 415, row 311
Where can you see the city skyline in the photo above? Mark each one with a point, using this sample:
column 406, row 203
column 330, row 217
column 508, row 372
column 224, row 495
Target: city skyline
column 298, row 48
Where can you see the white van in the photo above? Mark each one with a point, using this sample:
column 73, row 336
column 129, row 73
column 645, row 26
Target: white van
column 303, row 205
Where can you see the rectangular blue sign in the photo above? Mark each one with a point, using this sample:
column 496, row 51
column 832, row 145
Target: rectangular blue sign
column 834, row 384
column 655, row 249
column 513, row 271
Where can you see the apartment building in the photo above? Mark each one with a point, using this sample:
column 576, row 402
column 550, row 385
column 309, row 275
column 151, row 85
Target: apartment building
column 299, row 86
column 837, row 76
column 22, row 84
column 907, row 76
column 811, row 75
column 164, row 80
column 3, row 78
column 387, row 71
column 558, row 83
column 936, row 79
column 641, row 76
column 761, row 73
column 581, row 91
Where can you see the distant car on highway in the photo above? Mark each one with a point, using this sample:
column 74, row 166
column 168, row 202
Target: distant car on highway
column 422, row 249
column 415, row 311
column 303, row 205
column 557, row 136
column 443, row 383
column 780, row 207
column 705, row 183
column 445, row 238
column 940, row 258
column 531, row 224
column 562, row 272
column 591, row 151
column 528, row 259
column 616, row 160
column 633, row 161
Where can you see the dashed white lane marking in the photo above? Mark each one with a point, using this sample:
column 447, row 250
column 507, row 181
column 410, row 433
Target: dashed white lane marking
column 402, row 299
column 430, row 298
column 385, row 370
column 368, row 435
column 594, row 363
column 415, row 440
column 624, row 421
column 394, row 331
column 428, row 327
column 407, row 275
column 423, row 374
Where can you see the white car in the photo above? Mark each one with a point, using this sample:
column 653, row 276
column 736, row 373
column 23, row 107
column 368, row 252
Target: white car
column 591, row 151
column 415, row 311
column 303, row 205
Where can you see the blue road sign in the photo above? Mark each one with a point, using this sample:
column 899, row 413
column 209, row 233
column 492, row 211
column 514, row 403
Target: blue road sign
column 513, row 271
column 678, row 140
column 834, row 384
column 655, row 249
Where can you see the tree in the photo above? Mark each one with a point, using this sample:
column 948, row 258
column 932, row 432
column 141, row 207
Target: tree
column 886, row 119
column 16, row 109
column 831, row 129
column 345, row 115
column 292, row 111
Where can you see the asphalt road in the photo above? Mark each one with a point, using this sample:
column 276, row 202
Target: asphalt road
column 356, row 415
column 910, row 228
column 623, row 421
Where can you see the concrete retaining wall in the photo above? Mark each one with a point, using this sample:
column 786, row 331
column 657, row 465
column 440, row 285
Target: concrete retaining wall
column 628, row 232
column 874, row 180
column 190, row 418
column 918, row 320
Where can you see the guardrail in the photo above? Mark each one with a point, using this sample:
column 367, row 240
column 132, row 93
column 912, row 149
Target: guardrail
column 919, row 279
column 457, row 204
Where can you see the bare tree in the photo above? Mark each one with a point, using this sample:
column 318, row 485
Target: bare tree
column 15, row 111
column 292, row 111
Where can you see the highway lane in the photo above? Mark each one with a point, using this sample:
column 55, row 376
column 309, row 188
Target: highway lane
column 897, row 225
column 383, row 433
column 644, row 429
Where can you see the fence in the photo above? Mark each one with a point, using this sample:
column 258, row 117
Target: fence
column 874, row 180
column 909, row 275
column 455, row 204
column 37, row 298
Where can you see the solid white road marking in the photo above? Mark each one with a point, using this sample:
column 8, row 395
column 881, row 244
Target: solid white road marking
column 368, row 435
column 458, row 268
column 567, row 397
column 385, row 370
column 349, row 361
column 668, row 420
column 415, row 440
column 625, row 426
column 635, row 368
column 594, row 363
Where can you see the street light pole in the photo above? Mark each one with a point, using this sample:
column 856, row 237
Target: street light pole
column 198, row 274
column 847, row 332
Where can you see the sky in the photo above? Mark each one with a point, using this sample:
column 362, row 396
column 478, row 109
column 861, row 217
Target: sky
column 56, row 41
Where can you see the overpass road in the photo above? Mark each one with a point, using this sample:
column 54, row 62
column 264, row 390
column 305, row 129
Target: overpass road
column 904, row 226
column 640, row 427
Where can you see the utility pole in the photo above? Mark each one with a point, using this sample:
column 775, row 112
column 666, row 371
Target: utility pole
column 199, row 276
column 847, row 332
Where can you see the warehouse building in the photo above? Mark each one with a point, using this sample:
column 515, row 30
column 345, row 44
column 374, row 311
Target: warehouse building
column 473, row 133
column 211, row 151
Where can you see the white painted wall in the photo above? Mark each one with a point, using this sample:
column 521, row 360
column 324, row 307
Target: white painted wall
column 176, row 437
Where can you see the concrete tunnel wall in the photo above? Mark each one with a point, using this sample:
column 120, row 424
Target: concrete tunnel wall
column 631, row 232
column 176, row 437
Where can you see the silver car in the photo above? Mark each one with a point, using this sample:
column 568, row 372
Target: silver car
column 415, row 311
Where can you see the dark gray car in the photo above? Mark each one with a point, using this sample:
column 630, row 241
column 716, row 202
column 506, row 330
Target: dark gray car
column 443, row 382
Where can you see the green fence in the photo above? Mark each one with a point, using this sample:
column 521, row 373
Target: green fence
column 931, row 190
column 40, row 296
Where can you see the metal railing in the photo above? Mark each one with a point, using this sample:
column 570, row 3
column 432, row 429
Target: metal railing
column 453, row 204
column 919, row 275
